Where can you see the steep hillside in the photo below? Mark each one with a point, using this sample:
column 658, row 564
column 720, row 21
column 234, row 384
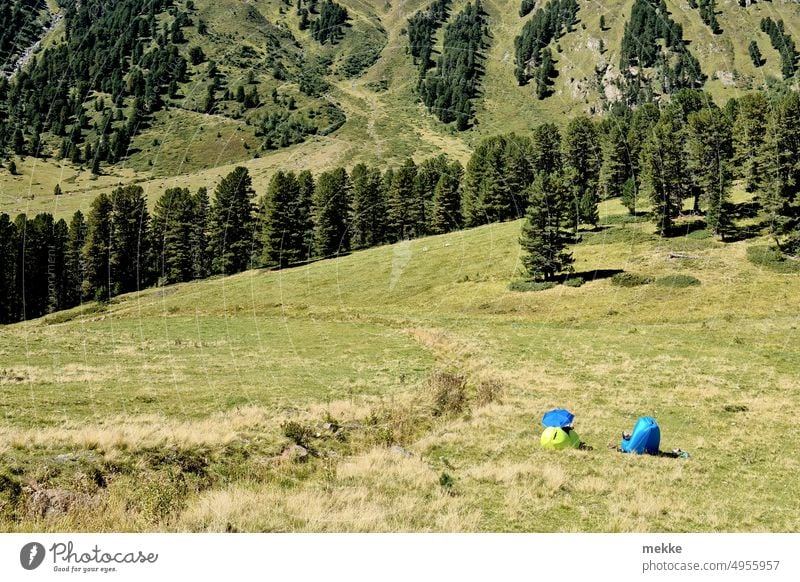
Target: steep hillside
column 266, row 93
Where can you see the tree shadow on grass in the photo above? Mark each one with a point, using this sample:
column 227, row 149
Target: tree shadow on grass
column 744, row 210
column 740, row 233
column 686, row 228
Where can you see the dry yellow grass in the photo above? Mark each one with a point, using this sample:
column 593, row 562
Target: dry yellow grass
column 380, row 491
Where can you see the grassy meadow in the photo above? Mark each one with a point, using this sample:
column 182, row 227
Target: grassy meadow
column 416, row 380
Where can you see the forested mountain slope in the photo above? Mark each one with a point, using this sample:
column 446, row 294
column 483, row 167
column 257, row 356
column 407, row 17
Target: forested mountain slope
column 147, row 89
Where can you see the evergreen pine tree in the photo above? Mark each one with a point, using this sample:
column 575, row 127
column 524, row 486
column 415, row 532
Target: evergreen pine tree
column 546, row 149
column 782, row 199
column 582, row 158
column 331, row 207
column 231, row 223
column 201, row 261
column 73, row 259
column 518, row 173
column 710, row 150
column 279, row 221
column 616, row 167
column 57, row 278
column 545, row 71
column 399, row 200
column 428, row 174
column 755, row 54
column 369, row 206
column 630, row 194
column 750, row 134
column 35, row 266
column 96, row 284
column 8, row 270
column 446, row 214
column 129, row 248
column 544, row 234
column 305, row 214
column 664, row 172
column 173, row 226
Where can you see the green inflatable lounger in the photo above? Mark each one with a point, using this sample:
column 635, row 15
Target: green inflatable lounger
column 558, row 433
column 556, row 438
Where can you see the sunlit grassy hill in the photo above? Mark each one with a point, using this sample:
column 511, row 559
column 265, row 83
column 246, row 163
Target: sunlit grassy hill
column 177, row 408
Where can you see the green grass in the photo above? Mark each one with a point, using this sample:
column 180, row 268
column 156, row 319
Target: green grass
column 167, row 410
column 771, row 258
column 630, row 280
column 677, row 281
column 201, row 379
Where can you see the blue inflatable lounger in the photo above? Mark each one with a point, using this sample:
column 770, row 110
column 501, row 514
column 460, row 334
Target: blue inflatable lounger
column 645, row 438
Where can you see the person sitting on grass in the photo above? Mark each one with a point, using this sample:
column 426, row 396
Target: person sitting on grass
column 646, row 439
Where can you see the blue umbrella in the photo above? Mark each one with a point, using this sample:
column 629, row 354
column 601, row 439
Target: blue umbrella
column 558, row 417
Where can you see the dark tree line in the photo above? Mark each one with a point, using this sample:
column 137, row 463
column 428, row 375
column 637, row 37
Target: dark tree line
column 422, row 27
column 783, row 43
column 676, row 68
column 118, row 247
column 681, row 158
column 449, row 89
column 688, row 151
column 328, row 25
column 533, row 59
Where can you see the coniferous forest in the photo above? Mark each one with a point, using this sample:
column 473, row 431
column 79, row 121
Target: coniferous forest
column 668, row 152
column 683, row 155
column 447, row 91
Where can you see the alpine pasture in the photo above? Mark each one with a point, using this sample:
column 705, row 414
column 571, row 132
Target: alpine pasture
column 400, row 389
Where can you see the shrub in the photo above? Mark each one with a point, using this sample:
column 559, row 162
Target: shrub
column 677, row 281
column 489, row 391
column 297, row 432
column 10, row 496
column 574, row 282
column 446, row 481
column 154, row 495
column 449, row 393
column 630, row 280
